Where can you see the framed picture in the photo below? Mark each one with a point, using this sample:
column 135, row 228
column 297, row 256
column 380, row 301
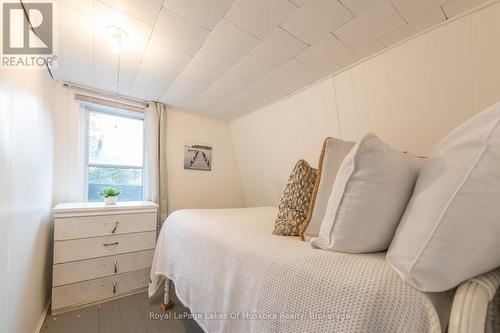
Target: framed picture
column 198, row 157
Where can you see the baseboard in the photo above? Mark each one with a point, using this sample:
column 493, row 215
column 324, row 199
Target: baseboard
column 42, row 318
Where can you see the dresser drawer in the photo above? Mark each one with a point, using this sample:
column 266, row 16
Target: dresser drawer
column 104, row 225
column 83, row 270
column 98, row 289
column 86, row 248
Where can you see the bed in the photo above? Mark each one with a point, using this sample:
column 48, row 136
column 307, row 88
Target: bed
column 235, row 276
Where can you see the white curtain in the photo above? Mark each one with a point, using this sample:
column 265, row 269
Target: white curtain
column 155, row 167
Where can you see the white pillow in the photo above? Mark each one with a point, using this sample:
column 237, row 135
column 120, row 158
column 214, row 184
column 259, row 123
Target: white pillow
column 369, row 196
column 451, row 228
column 333, row 153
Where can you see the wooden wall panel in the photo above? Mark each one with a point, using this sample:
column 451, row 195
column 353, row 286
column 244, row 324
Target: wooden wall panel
column 411, row 99
column 377, row 94
column 410, row 96
column 360, row 101
column 345, row 103
column 486, row 56
column 451, row 70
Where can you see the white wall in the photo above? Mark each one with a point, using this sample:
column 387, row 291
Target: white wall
column 26, row 100
column 411, row 96
column 69, row 138
column 39, row 136
column 219, row 188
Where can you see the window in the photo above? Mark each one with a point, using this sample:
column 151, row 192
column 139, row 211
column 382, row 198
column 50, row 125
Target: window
column 115, row 153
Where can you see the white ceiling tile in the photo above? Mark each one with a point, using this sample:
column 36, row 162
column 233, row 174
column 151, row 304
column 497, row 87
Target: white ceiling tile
column 251, row 68
column 316, row 19
column 105, row 70
column 293, row 85
column 146, row 11
column 161, row 56
column 236, row 104
column 373, row 23
column 178, row 34
column 260, row 17
column 75, row 53
column 138, row 31
column 237, row 100
column 368, row 50
column 202, row 12
column 294, row 69
column 208, row 57
column 299, row 3
column 243, row 102
column 129, row 66
column 329, row 54
column 183, row 91
column 152, row 82
column 456, row 7
column 226, row 86
column 229, row 41
column 428, row 20
column 199, row 74
column 278, row 47
column 261, row 102
column 411, row 9
column 228, row 113
column 198, row 107
column 86, row 6
column 263, row 88
column 359, row 6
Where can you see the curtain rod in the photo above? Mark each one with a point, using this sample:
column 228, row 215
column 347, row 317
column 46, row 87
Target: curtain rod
column 104, row 94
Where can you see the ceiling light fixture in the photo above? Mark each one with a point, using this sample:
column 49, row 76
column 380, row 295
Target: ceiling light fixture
column 117, row 38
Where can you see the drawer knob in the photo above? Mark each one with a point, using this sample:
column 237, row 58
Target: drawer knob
column 116, row 268
column 116, row 226
column 111, row 244
column 114, row 287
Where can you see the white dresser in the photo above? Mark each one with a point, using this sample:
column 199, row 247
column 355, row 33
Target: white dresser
column 101, row 252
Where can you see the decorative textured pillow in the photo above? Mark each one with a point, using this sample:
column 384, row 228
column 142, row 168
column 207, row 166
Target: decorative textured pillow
column 333, row 153
column 294, row 203
column 369, row 196
column 451, row 228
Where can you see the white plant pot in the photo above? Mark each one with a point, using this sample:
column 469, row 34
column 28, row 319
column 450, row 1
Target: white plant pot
column 111, row 200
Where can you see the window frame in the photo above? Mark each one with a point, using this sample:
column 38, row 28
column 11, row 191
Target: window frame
column 90, row 107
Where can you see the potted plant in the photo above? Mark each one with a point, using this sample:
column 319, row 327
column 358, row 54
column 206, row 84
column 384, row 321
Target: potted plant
column 110, row 195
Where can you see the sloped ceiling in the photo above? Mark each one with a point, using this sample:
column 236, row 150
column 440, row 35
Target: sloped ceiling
column 222, row 58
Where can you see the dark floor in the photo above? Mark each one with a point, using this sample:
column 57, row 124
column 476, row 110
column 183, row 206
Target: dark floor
column 130, row 314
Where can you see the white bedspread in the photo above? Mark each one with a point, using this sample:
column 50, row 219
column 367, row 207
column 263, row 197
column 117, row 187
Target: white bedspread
column 226, row 263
